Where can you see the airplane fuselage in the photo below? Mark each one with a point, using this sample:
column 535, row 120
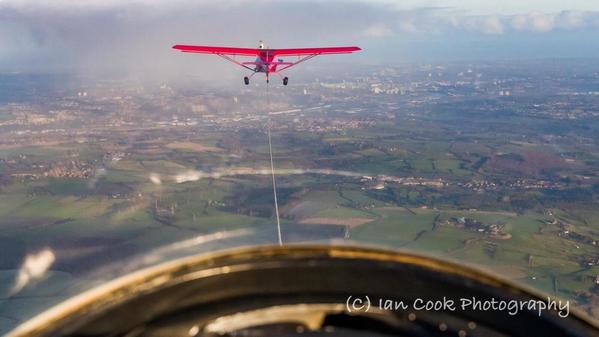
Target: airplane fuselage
column 264, row 62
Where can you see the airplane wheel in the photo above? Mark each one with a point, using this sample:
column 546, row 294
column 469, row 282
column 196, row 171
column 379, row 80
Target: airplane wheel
column 285, row 80
column 246, row 80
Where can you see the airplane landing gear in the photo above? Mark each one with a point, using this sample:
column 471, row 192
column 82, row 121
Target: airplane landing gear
column 246, row 80
column 285, row 80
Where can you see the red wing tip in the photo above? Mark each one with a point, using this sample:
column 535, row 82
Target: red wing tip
column 180, row 47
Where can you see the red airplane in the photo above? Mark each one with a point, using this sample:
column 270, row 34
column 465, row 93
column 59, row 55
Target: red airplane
column 266, row 59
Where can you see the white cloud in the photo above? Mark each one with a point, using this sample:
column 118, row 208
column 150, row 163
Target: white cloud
column 577, row 20
column 34, row 268
column 483, row 24
column 534, row 21
column 571, row 19
column 519, row 22
column 377, row 30
column 541, row 22
column 445, row 20
column 155, row 178
column 408, row 26
column 492, row 25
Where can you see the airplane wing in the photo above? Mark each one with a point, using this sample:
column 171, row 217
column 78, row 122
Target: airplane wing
column 304, row 54
column 255, row 52
column 229, row 53
column 314, row 51
column 217, row 50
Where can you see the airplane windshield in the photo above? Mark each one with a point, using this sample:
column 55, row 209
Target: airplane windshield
column 457, row 131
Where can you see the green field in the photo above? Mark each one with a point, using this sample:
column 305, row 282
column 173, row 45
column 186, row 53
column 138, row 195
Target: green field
column 149, row 199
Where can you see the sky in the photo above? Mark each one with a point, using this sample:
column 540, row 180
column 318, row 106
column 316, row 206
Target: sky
column 98, row 36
